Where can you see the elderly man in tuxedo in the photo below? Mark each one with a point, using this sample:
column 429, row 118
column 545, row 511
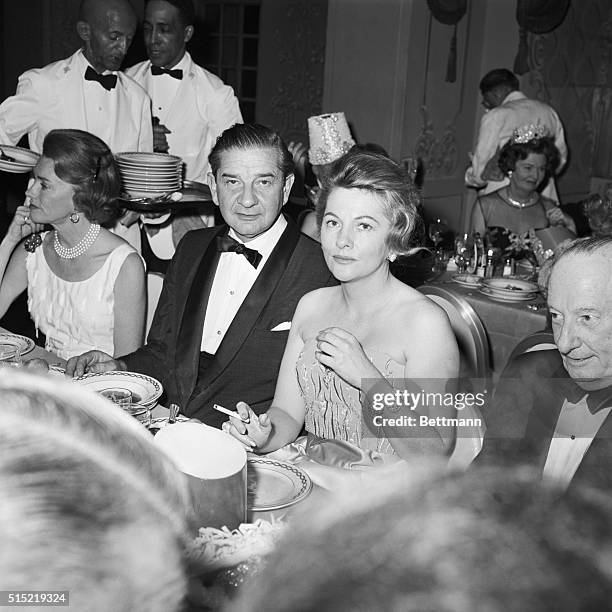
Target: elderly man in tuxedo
column 225, row 310
column 87, row 90
column 552, row 408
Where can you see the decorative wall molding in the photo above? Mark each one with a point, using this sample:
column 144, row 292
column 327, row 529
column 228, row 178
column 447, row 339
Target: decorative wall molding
column 439, row 154
column 300, row 49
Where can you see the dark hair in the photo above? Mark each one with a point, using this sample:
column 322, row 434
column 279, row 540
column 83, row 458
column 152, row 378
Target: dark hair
column 251, row 136
column 84, row 161
column 384, row 178
column 500, row 77
column 598, row 211
column 185, row 8
column 514, row 151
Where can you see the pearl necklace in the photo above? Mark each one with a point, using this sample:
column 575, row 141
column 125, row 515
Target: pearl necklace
column 78, row 249
column 530, row 202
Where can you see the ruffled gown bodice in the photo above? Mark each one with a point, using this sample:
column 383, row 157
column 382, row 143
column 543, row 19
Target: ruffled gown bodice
column 333, row 407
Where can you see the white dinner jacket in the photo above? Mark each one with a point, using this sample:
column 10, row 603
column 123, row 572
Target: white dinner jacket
column 53, row 97
column 202, row 108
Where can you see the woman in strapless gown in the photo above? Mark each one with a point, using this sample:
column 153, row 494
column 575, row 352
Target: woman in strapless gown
column 85, row 285
column 353, row 349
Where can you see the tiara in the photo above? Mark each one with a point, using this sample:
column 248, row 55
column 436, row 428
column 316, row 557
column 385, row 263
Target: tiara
column 528, row 132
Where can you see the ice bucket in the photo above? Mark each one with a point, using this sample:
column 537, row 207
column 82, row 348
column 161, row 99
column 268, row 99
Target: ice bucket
column 216, row 469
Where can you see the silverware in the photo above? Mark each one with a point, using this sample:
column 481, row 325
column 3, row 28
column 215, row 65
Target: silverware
column 175, row 196
column 174, row 410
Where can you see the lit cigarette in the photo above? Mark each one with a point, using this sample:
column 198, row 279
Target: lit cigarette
column 230, row 413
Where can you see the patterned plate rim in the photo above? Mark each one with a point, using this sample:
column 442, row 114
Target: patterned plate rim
column 156, row 384
column 29, row 343
column 506, row 298
column 32, row 156
column 304, row 478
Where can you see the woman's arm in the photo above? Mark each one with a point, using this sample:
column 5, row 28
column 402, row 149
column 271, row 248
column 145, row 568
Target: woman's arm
column 432, row 365
column 130, row 306
column 13, row 273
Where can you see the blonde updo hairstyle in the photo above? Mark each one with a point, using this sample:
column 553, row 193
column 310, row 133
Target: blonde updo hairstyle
column 381, row 176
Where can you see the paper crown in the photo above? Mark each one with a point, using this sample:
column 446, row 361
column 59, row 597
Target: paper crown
column 329, row 137
column 528, row 132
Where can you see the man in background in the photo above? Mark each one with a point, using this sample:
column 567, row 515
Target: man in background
column 86, row 91
column 507, row 108
column 191, row 107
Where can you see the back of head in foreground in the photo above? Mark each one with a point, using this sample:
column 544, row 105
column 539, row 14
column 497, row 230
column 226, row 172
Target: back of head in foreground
column 88, row 504
column 486, row 541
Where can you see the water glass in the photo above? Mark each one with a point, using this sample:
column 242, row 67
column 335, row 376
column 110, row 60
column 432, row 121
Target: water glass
column 141, row 413
column 121, row 397
column 10, row 356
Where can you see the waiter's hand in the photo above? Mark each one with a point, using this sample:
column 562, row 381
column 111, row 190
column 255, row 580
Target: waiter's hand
column 160, row 142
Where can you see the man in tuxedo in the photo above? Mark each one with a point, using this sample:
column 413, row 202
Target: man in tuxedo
column 551, row 408
column 222, row 321
column 87, row 90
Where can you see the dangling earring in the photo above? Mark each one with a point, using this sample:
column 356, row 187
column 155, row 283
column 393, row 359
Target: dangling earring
column 74, row 217
column 392, row 257
column 509, row 174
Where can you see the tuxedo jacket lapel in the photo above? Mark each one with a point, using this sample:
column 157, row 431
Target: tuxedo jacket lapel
column 189, row 337
column 254, row 303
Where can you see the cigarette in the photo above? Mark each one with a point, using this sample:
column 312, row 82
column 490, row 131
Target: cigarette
column 230, row 413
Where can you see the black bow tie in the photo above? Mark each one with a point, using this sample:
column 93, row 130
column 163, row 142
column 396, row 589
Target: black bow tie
column 596, row 400
column 228, row 244
column 177, row 73
column 108, row 81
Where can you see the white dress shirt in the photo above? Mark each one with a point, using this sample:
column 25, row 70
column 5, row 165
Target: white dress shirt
column 575, row 430
column 163, row 88
column 234, row 278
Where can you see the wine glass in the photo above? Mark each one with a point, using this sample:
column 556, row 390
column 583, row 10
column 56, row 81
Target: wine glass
column 437, row 229
column 10, row 356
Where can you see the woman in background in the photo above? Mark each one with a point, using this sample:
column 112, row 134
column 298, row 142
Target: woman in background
column 527, row 159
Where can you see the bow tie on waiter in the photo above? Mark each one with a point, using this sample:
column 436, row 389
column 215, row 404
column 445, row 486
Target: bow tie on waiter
column 175, row 73
column 108, row 81
column 227, row 244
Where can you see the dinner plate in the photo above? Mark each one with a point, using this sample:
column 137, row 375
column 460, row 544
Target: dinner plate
column 25, row 159
column 521, row 297
column 24, row 344
column 467, row 280
column 510, row 285
column 147, row 159
column 161, row 422
column 145, row 389
column 273, row 484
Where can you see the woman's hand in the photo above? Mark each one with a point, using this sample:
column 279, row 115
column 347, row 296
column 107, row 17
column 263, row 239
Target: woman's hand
column 255, row 433
column 21, row 225
column 343, row 353
column 555, row 216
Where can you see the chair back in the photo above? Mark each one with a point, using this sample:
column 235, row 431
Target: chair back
column 468, row 328
column 468, row 440
column 540, row 341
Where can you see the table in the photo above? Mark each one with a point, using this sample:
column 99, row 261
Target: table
column 506, row 323
column 39, row 353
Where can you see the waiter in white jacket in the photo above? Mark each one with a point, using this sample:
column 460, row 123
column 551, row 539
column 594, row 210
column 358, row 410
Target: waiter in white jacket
column 191, row 108
column 85, row 91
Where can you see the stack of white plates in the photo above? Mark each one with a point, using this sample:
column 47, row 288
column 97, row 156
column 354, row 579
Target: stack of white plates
column 509, row 289
column 149, row 174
